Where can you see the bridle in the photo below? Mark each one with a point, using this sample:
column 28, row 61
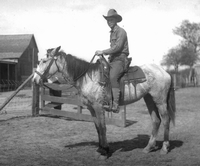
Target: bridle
column 44, row 75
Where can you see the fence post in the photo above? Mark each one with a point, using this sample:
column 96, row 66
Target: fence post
column 175, row 81
column 35, row 100
column 79, row 109
column 123, row 115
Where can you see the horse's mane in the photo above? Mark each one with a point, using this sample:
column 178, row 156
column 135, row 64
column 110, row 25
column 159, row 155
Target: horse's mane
column 76, row 67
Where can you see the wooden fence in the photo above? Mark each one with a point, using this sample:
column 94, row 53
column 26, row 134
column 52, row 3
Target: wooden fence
column 43, row 103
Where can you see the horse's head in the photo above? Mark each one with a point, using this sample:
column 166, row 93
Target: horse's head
column 70, row 67
column 48, row 67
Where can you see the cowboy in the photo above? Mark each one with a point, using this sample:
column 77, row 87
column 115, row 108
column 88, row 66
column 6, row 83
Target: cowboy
column 117, row 52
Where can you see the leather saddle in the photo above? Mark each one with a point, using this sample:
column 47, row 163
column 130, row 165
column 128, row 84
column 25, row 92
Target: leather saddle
column 132, row 74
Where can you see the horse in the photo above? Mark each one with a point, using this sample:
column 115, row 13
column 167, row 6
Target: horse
column 157, row 92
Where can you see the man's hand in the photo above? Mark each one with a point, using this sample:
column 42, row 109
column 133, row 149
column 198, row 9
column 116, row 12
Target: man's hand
column 98, row 52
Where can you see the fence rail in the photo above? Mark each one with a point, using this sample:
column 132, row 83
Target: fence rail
column 69, row 97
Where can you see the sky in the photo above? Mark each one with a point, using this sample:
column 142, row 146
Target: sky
column 79, row 28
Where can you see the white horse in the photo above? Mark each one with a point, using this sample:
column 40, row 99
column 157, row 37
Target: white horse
column 157, row 91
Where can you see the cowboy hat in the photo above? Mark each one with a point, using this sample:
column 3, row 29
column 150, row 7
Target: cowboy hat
column 113, row 13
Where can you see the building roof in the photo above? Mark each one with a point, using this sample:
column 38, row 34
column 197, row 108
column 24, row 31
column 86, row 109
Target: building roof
column 13, row 46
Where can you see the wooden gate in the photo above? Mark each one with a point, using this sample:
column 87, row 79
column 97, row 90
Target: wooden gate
column 47, row 104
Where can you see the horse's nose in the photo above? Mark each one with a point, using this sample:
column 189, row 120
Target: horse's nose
column 35, row 79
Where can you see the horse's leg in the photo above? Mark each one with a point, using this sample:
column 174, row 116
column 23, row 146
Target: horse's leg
column 166, row 123
column 155, row 117
column 99, row 119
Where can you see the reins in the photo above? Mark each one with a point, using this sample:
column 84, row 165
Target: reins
column 76, row 79
column 86, row 69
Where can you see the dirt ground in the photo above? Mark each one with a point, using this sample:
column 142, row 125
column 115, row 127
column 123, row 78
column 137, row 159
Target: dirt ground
column 48, row 141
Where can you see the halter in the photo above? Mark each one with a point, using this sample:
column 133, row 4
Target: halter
column 42, row 76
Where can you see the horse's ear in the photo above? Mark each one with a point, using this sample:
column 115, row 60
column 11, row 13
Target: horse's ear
column 55, row 51
column 58, row 48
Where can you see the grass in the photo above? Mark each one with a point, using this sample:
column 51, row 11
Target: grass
column 187, row 99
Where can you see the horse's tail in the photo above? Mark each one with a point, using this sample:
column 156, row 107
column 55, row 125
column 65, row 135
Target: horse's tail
column 171, row 104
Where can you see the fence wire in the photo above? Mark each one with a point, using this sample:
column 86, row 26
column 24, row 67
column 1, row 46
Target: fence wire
column 20, row 105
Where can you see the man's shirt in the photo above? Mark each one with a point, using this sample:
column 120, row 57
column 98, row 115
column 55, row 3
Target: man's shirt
column 118, row 42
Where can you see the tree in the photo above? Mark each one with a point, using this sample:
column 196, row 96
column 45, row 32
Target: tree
column 188, row 56
column 173, row 58
column 190, row 32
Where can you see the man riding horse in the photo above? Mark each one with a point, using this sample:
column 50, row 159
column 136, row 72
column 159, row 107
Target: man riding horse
column 117, row 52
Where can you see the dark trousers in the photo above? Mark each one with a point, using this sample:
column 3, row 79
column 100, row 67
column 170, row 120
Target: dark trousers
column 116, row 71
column 56, row 93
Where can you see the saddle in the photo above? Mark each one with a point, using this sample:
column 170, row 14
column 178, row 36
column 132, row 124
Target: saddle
column 132, row 75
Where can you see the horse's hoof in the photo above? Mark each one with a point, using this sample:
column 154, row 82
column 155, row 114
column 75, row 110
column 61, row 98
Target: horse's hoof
column 163, row 152
column 100, row 156
column 146, row 150
column 97, row 155
column 165, row 148
column 149, row 149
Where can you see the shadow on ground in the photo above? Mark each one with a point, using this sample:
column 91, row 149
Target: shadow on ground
column 138, row 142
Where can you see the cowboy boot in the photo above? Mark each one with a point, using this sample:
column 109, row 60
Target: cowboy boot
column 115, row 106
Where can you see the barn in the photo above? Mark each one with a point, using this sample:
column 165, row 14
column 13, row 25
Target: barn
column 18, row 57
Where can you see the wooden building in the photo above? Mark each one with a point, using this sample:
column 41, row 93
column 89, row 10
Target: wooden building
column 18, row 57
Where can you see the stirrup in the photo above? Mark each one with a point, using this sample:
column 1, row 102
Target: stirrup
column 110, row 109
column 115, row 110
column 115, row 107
